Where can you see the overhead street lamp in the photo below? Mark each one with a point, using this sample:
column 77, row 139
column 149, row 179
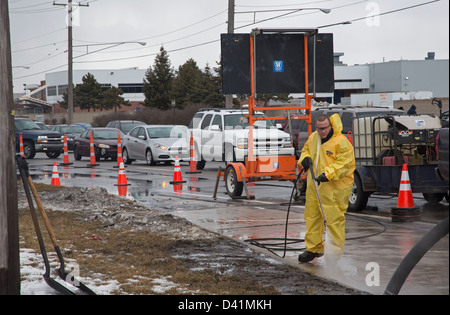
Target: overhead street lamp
column 289, row 11
column 23, row 67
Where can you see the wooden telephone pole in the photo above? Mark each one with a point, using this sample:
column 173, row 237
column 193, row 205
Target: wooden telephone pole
column 229, row 97
column 70, row 58
column 9, row 223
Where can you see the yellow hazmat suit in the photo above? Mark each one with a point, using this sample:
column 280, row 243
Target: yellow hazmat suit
column 335, row 158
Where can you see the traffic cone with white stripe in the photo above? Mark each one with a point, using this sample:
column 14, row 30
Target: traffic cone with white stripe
column 119, row 150
column 192, row 162
column 66, row 152
column 177, row 176
column 21, row 145
column 93, row 161
column 55, row 176
column 405, row 210
column 122, row 178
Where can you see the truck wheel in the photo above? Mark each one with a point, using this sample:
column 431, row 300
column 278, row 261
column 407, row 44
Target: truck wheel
column 53, row 154
column 28, row 149
column 433, row 198
column 201, row 164
column 234, row 188
column 358, row 198
column 200, row 161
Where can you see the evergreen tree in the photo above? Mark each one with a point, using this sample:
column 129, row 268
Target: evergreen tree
column 158, row 82
column 112, row 99
column 212, row 84
column 188, row 86
column 88, row 95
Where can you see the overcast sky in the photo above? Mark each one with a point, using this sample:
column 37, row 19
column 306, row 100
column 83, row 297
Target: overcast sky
column 192, row 28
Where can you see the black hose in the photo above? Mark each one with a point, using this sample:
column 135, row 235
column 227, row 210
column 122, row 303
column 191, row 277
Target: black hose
column 276, row 246
column 414, row 255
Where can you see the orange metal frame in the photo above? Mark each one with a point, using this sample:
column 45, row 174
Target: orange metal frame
column 261, row 168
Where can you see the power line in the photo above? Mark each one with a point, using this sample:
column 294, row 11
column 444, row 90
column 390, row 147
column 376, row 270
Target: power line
column 152, row 54
column 381, row 14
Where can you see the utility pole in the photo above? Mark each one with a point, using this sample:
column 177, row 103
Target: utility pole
column 9, row 222
column 70, row 58
column 229, row 97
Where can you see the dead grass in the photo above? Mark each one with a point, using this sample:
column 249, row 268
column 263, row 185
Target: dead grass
column 133, row 258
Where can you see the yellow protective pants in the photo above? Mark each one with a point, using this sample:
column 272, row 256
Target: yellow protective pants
column 335, row 203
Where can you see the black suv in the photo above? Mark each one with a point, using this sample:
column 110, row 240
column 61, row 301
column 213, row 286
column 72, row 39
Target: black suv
column 37, row 140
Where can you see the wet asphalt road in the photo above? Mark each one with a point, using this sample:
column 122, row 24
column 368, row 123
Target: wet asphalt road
column 265, row 217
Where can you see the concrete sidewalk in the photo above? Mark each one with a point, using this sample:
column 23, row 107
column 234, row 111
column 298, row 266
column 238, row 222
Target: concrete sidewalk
column 368, row 262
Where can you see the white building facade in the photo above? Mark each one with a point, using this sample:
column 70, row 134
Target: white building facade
column 130, row 80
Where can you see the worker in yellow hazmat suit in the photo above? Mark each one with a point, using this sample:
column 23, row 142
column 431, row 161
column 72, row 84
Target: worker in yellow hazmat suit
column 331, row 156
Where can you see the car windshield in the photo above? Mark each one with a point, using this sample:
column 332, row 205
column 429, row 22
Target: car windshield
column 167, row 132
column 105, row 134
column 238, row 121
column 26, row 125
column 72, row 129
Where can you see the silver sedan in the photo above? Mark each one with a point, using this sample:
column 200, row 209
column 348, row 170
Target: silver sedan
column 156, row 143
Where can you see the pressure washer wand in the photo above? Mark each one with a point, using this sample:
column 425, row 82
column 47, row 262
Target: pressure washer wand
column 318, row 198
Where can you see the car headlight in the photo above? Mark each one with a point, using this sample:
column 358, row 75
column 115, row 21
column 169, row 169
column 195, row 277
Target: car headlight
column 242, row 143
column 287, row 142
column 42, row 139
column 103, row 146
column 160, row 146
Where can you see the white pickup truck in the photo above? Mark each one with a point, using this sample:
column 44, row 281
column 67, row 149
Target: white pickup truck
column 221, row 135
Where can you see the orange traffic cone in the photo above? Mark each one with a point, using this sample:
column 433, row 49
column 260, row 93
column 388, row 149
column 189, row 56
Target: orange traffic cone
column 93, row 161
column 119, row 150
column 177, row 176
column 66, row 152
column 55, row 175
column 192, row 162
column 21, row 145
column 405, row 210
column 122, row 178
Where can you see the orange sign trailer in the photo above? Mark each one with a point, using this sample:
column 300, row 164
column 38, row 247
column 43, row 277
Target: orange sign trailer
column 256, row 168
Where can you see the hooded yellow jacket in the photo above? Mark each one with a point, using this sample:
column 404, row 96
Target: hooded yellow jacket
column 336, row 156
column 336, row 159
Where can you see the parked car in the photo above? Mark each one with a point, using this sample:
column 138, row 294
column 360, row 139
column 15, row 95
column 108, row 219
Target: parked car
column 37, row 140
column 105, row 143
column 124, row 125
column 71, row 132
column 156, row 143
column 221, row 135
column 347, row 114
